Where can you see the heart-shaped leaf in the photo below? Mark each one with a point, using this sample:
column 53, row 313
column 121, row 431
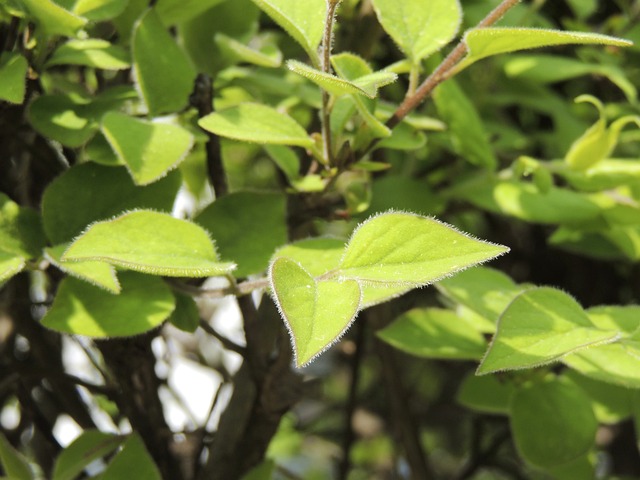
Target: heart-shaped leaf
column 150, row 242
column 403, row 249
column 304, row 21
column 540, row 326
column 316, row 312
column 82, row 309
column 253, row 122
column 148, row 149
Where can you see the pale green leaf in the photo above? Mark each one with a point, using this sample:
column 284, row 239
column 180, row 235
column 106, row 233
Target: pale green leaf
column 540, row 326
column 89, row 192
column 434, row 333
column 21, row 231
column 13, row 73
column 100, row 274
column 261, row 58
column 89, row 446
column 149, row 149
column 607, row 174
column 316, row 313
column 82, row 309
column 316, row 255
column 403, row 249
column 593, row 146
column 150, row 242
column 247, row 227
column 173, row 12
column 13, row 463
column 552, row 423
column 91, row 52
column 253, row 122
column 355, row 69
column 487, row 394
column 466, row 128
column 486, row 291
column 164, row 73
column 486, row 42
column 328, row 82
column 54, row 19
column 99, row 10
column 419, row 27
column 304, row 21
column 624, row 319
column 10, row 264
column 133, row 461
column 612, row 363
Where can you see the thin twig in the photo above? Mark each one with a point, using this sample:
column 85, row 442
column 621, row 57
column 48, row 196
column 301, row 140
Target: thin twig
column 349, row 437
column 241, row 289
column 325, row 64
column 226, row 343
column 442, row 72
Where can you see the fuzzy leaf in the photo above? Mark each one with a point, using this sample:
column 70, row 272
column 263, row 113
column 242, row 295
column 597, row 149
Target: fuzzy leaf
column 10, row 264
column 252, row 122
column 89, row 192
column 419, row 27
column 613, row 363
column 328, row 82
column 150, row 242
column 486, row 42
column 82, row 309
column 13, row 73
column 304, row 21
column 540, row 326
column 166, row 79
column 148, row 149
column 91, row 52
column 316, row 313
column 402, row 249
column 89, row 446
column 20, row 229
column 434, row 333
column 552, row 423
column 100, row 274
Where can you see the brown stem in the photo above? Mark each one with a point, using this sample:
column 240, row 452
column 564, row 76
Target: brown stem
column 202, row 99
column 325, row 64
column 226, row 343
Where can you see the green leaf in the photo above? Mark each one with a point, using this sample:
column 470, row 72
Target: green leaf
column 10, row 265
column 73, row 121
column 133, row 461
column 173, row 12
column 186, row 316
column 402, row 249
column 466, row 130
column 304, row 21
column 624, row 319
column 253, row 122
column 286, row 160
column 13, row 463
column 487, row 394
column 328, row 82
column 13, row 77
column 89, row 446
column 149, row 149
column 486, row 291
column 100, row 274
column 605, row 175
column 165, row 80
column 54, row 19
column 419, row 27
column 21, row 231
column 89, row 192
column 150, row 242
column 263, row 471
column 552, row 423
column 540, row 326
column 82, row 309
column 99, row 10
column 434, row 333
column 91, row 52
column 593, row 146
column 316, row 313
column 486, row 42
column 270, row 58
column 247, row 227
column 612, row 363
column 405, row 194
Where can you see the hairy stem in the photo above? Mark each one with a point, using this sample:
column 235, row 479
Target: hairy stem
column 325, row 65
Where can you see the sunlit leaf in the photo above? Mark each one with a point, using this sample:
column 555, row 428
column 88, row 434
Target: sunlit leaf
column 54, row 19
column 91, row 52
column 89, row 446
column 13, row 73
column 100, row 274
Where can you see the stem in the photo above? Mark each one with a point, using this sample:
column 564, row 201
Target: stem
column 226, row 343
column 441, row 73
column 241, row 289
column 325, row 64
